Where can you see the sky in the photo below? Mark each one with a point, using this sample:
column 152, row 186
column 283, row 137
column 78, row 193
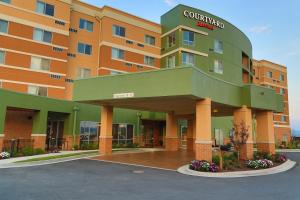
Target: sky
column 273, row 27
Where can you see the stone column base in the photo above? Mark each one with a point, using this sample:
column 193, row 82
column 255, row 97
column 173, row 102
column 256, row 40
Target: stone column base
column 266, row 147
column 39, row 141
column 190, row 143
column 69, row 142
column 203, row 152
column 172, row 144
column 105, row 146
column 247, row 152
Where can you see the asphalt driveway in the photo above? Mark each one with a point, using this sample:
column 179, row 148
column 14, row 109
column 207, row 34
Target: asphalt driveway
column 90, row 179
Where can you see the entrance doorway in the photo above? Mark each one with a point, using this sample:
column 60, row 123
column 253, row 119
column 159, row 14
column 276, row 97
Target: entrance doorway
column 54, row 139
column 153, row 133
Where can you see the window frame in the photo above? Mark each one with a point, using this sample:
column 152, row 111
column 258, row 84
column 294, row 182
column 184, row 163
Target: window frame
column 168, row 61
column 3, row 57
column 37, row 92
column 116, row 29
column 173, row 40
column 81, row 72
column 41, row 66
column 85, row 25
column 43, row 35
column 190, row 55
column 6, row 1
column 45, row 4
column 84, row 48
column 217, row 45
column 187, row 41
column 281, row 77
column 150, row 40
column 218, row 69
column 269, row 74
column 7, row 25
column 118, row 53
column 148, row 60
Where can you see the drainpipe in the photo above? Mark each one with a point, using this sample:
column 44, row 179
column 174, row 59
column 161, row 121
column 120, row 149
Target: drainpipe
column 75, row 110
column 139, row 116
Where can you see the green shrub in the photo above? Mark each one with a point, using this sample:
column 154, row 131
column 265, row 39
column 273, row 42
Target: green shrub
column 75, row 147
column 27, row 151
column 216, row 159
column 262, row 155
column 39, row 151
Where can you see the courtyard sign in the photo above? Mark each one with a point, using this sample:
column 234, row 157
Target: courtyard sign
column 123, row 95
column 204, row 21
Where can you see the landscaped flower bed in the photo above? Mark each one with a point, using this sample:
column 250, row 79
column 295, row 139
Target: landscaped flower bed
column 4, row 155
column 203, row 166
column 231, row 163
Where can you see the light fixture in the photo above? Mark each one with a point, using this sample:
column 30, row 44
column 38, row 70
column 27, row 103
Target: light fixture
column 215, row 110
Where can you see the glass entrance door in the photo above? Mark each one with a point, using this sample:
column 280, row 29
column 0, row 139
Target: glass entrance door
column 55, row 135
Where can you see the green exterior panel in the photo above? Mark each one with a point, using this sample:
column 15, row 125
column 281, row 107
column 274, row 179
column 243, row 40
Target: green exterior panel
column 2, row 117
column 40, row 122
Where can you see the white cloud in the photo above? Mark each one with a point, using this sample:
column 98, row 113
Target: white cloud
column 260, row 29
column 170, row 2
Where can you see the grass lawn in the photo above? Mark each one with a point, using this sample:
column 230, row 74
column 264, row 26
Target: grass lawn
column 59, row 156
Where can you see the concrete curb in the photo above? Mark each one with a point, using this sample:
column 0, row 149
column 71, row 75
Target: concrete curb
column 262, row 172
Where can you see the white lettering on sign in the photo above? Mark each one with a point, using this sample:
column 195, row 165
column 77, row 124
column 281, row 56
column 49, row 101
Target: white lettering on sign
column 203, row 18
column 123, row 95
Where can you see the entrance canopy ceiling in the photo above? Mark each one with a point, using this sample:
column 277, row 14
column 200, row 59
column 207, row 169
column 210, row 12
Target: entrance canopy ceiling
column 176, row 89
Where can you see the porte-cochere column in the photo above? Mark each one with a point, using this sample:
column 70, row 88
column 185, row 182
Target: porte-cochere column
column 265, row 138
column 105, row 138
column 244, row 115
column 172, row 140
column 203, row 143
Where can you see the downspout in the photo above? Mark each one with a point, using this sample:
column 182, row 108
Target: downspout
column 75, row 109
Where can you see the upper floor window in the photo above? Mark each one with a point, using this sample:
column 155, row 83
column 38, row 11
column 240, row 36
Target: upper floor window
column 42, row 35
column 115, row 72
column 171, row 40
column 149, row 60
column 5, row 1
column 3, row 26
column 2, row 57
column 117, row 53
column 83, row 73
column 269, row 74
column 44, row 8
column 119, row 30
column 218, row 67
column 149, row 40
column 188, row 59
column 282, row 91
column 281, row 77
column 189, row 38
column 171, row 61
column 85, row 24
column 37, row 90
column 283, row 118
column 40, row 63
column 218, row 46
column 84, row 48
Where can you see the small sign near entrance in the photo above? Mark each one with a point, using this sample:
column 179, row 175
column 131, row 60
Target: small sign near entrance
column 123, row 95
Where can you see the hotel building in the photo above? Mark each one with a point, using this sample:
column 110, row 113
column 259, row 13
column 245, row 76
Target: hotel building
column 60, row 60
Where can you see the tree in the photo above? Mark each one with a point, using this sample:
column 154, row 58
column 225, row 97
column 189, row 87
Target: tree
column 239, row 136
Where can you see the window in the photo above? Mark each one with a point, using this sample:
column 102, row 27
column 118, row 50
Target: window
column 218, row 67
column 188, row 59
column 117, row 53
column 283, row 118
column 218, row 46
column 44, row 8
column 2, row 57
column 40, row 63
column 281, row 77
column 88, row 132
column 84, row 48
column 171, row 60
column 5, row 1
column 188, row 38
column 269, row 74
column 149, row 40
column 115, row 72
column 85, row 24
column 119, row 30
column 36, row 90
column 149, row 60
column 83, row 73
column 171, row 39
column 3, row 26
column 42, row 35
column 282, row 91
column 122, row 133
